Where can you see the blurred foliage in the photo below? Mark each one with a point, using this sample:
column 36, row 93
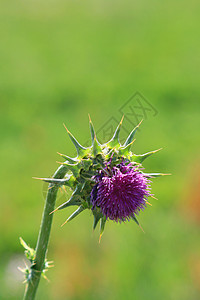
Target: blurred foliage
column 59, row 61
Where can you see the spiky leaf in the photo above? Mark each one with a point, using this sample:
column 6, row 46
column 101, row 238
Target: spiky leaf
column 75, row 214
column 68, row 159
column 114, row 142
column 131, row 135
column 80, row 149
column 141, row 157
column 97, row 216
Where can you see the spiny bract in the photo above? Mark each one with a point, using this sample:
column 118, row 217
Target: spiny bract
column 108, row 179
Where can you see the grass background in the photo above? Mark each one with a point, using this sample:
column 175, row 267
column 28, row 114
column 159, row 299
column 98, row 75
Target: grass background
column 59, row 61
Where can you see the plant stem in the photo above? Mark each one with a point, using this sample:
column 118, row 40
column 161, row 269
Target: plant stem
column 43, row 237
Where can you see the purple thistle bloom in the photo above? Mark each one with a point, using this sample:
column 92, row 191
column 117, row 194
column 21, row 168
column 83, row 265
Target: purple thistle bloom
column 120, row 192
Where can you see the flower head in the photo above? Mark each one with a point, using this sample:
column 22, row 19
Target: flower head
column 120, row 192
column 107, row 179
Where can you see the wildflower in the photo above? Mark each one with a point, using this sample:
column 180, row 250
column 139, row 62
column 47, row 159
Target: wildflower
column 120, row 192
column 107, row 179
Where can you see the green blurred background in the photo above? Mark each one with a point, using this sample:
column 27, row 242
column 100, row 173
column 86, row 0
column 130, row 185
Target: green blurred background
column 59, row 61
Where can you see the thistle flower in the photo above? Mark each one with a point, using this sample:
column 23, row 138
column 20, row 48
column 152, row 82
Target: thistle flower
column 120, row 192
column 107, row 179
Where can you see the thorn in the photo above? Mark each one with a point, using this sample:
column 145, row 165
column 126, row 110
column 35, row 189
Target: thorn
column 140, row 123
column 141, row 157
column 21, row 270
column 100, row 238
column 141, row 228
column 54, row 211
column 64, row 188
column 154, row 197
column 64, row 223
column 132, row 142
column 50, row 262
column 129, row 145
column 148, row 203
column 89, row 118
column 51, row 187
column 60, row 189
column 122, row 120
column 165, row 174
column 155, row 175
column 26, row 287
column 45, row 277
column 49, row 266
column 38, row 178
column 157, row 150
column 25, row 281
column 69, row 159
column 25, row 264
column 66, row 128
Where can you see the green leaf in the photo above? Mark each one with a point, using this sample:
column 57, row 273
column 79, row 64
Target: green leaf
column 29, row 252
column 24, row 244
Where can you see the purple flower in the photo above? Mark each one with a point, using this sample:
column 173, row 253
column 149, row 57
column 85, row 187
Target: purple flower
column 120, row 192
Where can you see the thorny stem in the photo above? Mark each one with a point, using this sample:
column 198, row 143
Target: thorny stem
column 43, row 237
